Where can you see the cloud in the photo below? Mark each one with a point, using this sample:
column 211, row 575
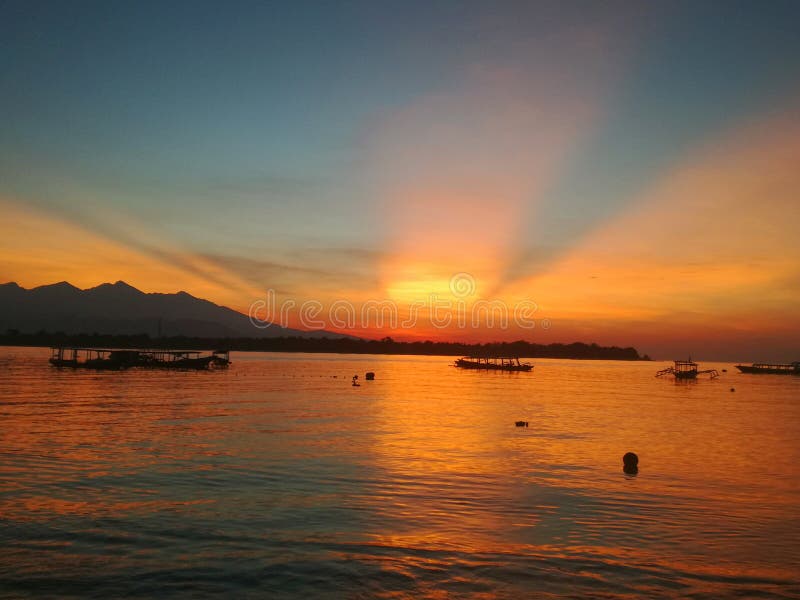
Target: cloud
column 311, row 273
column 712, row 245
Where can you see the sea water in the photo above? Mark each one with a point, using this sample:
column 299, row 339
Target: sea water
column 277, row 477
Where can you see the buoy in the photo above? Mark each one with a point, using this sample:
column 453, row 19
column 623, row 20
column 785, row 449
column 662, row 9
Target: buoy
column 369, row 376
column 733, row 389
column 521, row 423
column 630, row 463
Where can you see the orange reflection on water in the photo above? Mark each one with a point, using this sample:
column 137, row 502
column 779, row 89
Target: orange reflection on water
column 418, row 480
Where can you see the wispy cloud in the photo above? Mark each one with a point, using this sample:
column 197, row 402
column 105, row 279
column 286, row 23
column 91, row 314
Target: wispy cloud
column 712, row 244
column 306, row 273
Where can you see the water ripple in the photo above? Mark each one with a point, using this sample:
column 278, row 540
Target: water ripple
column 277, row 478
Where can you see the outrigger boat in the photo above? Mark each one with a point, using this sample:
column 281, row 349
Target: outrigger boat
column 771, row 369
column 99, row 358
column 495, row 363
column 686, row 369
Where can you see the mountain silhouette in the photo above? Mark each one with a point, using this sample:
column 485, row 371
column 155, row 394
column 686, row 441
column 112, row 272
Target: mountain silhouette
column 120, row 309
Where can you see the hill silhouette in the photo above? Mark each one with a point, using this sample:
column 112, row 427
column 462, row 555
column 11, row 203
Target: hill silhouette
column 342, row 345
column 120, row 316
column 121, row 309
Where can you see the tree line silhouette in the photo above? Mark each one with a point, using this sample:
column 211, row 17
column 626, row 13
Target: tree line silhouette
column 576, row 350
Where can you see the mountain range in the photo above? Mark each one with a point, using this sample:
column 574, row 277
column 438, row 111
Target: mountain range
column 120, row 309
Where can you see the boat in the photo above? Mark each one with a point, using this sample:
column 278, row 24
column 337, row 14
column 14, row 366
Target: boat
column 771, row 369
column 115, row 360
column 222, row 358
column 177, row 359
column 686, row 369
column 93, row 358
column 494, row 363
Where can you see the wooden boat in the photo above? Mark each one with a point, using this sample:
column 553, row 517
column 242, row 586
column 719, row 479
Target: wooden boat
column 176, row 359
column 771, row 369
column 114, row 360
column 222, row 358
column 686, row 369
column 94, row 358
column 495, row 363
column 64, row 357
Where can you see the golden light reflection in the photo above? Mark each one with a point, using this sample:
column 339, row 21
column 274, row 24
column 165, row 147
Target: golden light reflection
column 456, row 475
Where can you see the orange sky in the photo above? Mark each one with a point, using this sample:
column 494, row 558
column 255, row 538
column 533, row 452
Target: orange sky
column 631, row 178
column 709, row 250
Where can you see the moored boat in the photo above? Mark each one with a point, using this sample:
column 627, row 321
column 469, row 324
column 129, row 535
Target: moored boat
column 771, row 369
column 222, row 358
column 686, row 369
column 495, row 363
column 114, row 360
column 176, row 359
column 94, row 358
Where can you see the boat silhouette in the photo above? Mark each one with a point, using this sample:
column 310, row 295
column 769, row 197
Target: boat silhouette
column 771, row 369
column 686, row 369
column 494, row 363
column 116, row 360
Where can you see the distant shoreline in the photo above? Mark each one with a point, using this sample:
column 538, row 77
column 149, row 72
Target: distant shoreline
column 386, row 346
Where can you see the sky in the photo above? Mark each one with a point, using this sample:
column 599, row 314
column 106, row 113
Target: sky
column 620, row 172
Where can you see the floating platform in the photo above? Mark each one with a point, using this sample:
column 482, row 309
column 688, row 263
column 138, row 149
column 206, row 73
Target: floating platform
column 107, row 359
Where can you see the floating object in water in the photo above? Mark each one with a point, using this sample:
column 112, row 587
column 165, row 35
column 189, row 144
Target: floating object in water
column 521, row 423
column 355, row 381
column 630, row 463
column 221, row 358
column 733, row 389
column 495, row 363
column 370, row 376
column 183, row 359
column 94, row 358
column 686, row 369
column 724, row 370
column 771, row 369
column 108, row 359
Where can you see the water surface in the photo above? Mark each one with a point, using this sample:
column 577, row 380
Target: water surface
column 277, row 477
